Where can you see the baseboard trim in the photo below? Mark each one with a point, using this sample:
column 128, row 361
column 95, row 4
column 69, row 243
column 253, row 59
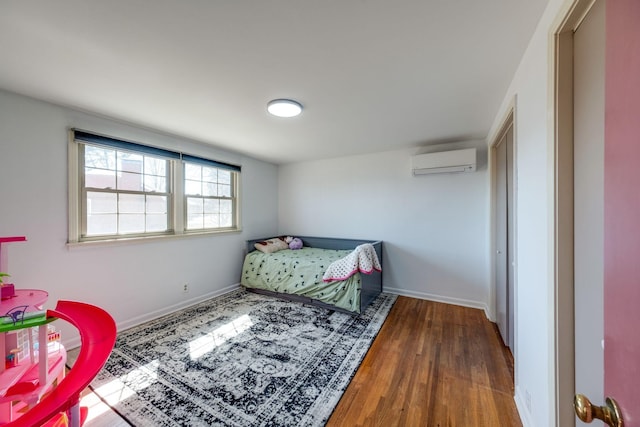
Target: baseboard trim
column 525, row 415
column 75, row 342
column 138, row 320
column 439, row 298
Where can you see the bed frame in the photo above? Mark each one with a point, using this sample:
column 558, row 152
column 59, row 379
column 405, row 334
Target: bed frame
column 371, row 283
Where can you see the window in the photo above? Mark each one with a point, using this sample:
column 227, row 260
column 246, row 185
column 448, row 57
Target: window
column 125, row 190
column 208, row 197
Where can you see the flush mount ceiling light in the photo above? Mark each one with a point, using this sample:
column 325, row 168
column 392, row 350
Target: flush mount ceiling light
column 284, row 108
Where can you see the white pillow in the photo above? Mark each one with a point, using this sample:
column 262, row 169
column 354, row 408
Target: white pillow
column 271, row 245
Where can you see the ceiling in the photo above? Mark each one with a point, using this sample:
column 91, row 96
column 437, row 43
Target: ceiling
column 373, row 75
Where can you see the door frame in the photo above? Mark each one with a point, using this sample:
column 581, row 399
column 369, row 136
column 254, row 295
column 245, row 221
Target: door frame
column 563, row 210
column 509, row 119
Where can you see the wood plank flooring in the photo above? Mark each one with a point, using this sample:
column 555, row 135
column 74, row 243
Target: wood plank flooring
column 435, row 365
column 432, row 364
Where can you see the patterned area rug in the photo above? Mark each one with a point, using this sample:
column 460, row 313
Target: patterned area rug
column 241, row 359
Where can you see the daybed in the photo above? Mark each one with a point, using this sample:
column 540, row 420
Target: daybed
column 298, row 274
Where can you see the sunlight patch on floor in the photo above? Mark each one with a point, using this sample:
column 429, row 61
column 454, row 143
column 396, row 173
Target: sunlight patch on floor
column 201, row 346
column 96, row 406
column 127, row 385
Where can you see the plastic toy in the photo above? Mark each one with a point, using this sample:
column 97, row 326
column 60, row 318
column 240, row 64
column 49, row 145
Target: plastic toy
column 33, row 387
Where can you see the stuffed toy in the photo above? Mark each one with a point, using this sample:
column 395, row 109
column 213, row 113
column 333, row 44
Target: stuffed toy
column 295, row 243
column 272, row 245
column 288, row 239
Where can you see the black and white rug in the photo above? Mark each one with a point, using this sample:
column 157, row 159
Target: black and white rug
column 241, row 359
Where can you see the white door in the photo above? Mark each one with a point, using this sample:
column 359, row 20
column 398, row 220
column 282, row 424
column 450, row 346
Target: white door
column 504, row 238
column 501, row 240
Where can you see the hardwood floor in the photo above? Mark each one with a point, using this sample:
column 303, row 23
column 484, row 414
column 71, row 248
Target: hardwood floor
column 432, row 364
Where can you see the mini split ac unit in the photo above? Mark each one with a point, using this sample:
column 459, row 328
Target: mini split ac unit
column 444, row 162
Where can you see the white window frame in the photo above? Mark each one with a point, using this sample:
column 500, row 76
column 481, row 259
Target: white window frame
column 232, row 198
column 176, row 194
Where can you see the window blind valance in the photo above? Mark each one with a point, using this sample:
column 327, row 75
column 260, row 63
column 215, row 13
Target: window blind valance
column 83, row 136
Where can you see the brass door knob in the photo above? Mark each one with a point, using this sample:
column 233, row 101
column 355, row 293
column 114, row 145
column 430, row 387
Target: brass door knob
column 587, row 412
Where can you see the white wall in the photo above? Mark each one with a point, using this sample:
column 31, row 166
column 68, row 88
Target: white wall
column 433, row 227
column 534, row 354
column 132, row 281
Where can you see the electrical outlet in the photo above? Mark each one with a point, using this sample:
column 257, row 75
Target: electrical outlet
column 185, row 288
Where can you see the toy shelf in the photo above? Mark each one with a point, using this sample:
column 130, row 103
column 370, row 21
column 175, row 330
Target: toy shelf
column 27, row 323
column 23, row 385
column 27, row 390
column 97, row 335
column 28, row 393
column 33, row 367
column 20, row 311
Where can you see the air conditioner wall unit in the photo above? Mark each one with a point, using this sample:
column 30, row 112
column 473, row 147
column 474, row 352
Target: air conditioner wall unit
column 444, row 162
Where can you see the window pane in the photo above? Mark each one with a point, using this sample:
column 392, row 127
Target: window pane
column 153, row 166
column 226, row 220
column 155, row 183
column 99, row 178
column 194, row 205
column 157, row 205
column 224, row 177
column 209, row 174
column 192, row 187
column 195, row 218
column 99, row 203
column 129, row 181
column 102, row 215
column 129, row 162
column 195, row 221
column 98, row 157
column 193, row 172
column 224, row 190
column 99, row 224
column 131, row 203
column 211, row 221
column 210, row 189
column 226, row 206
column 131, row 223
column 211, row 206
column 156, row 222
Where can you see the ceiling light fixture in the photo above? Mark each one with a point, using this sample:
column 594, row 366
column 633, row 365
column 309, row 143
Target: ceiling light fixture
column 284, row 108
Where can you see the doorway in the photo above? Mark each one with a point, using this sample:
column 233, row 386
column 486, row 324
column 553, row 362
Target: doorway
column 581, row 259
column 504, row 217
column 588, row 196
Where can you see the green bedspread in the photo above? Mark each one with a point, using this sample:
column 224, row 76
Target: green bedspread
column 300, row 272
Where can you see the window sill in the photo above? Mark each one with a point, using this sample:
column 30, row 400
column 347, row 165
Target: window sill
column 147, row 239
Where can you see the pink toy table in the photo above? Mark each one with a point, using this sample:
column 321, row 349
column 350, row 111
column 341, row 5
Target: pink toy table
column 34, row 299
